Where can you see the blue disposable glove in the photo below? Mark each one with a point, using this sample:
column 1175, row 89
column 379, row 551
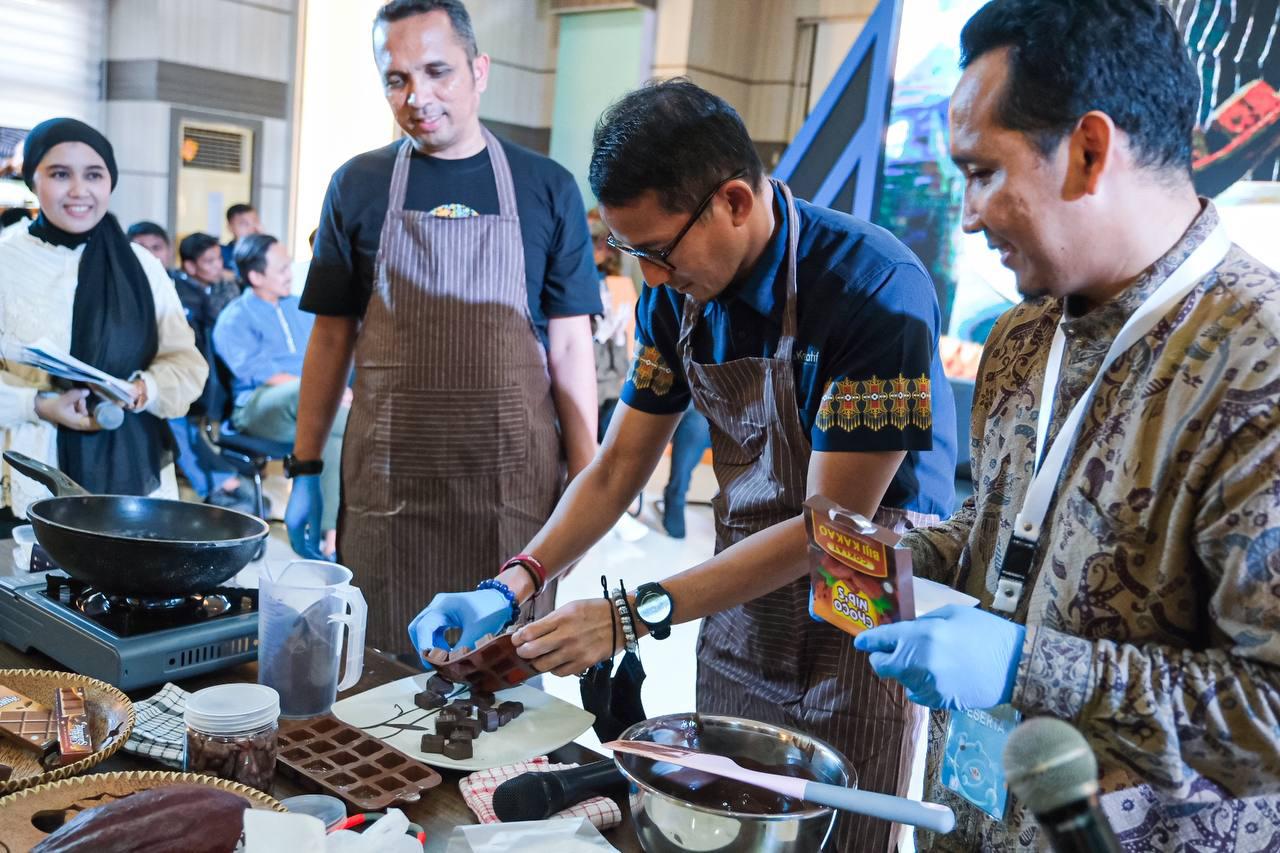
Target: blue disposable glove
column 302, row 516
column 955, row 658
column 484, row 611
column 814, row 616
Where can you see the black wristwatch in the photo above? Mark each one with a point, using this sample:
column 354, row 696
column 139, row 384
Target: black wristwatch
column 654, row 607
column 295, row 467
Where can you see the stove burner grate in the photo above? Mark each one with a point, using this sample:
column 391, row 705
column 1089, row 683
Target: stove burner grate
column 131, row 616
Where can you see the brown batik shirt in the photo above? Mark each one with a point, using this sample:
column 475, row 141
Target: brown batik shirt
column 1153, row 611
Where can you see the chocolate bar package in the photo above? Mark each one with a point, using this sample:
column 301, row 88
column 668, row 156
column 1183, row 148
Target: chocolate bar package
column 72, row 714
column 860, row 578
column 27, row 722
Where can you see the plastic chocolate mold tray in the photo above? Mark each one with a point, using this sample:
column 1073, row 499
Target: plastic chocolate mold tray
column 492, row 667
column 345, row 761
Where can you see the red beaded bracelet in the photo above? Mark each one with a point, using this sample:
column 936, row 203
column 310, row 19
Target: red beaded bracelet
column 536, row 570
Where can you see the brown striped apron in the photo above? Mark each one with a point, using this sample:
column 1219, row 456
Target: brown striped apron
column 452, row 458
column 767, row 660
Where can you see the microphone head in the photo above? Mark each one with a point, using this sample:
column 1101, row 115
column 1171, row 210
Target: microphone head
column 526, row 797
column 1048, row 764
column 108, row 415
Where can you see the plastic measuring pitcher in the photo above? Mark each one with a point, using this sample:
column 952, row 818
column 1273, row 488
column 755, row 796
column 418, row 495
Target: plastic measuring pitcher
column 301, row 613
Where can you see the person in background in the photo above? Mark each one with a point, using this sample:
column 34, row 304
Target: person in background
column 262, row 338
column 1123, row 540
column 203, row 294
column 610, row 332
column 73, row 279
column 690, row 440
column 242, row 220
column 154, row 239
column 456, row 270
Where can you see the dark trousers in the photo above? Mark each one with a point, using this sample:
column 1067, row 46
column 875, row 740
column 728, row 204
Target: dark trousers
column 691, row 439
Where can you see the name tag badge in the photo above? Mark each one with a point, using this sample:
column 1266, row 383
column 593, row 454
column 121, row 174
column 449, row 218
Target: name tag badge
column 971, row 759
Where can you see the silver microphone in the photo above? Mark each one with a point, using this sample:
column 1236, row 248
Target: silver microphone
column 107, row 415
column 1053, row 772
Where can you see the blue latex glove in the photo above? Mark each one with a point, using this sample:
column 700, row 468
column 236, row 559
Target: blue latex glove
column 814, row 616
column 484, row 611
column 302, row 516
column 955, row 658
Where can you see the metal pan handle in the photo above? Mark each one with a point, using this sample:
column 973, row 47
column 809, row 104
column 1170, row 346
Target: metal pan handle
column 57, row 482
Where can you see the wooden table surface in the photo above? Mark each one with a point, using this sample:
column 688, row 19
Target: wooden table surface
column 438, row 812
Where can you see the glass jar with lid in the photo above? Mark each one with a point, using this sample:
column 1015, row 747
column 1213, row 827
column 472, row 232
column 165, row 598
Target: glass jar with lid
column 232, row 733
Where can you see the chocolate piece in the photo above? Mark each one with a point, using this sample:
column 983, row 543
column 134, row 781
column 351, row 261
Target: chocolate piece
column 444, row 728
column 439, row 684
column 490, row 719
column 450, row 714
column 472, row 726
column 433, row 743
column 458, row 750
column 72, row 714
column 461, row 734
column 27, row 722
column 482, row 699
column 5, row 772
column 515, row 709
column 428, row 701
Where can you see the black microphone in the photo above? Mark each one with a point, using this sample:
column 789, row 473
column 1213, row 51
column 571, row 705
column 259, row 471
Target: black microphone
column 1052, row 770
column 539, row 795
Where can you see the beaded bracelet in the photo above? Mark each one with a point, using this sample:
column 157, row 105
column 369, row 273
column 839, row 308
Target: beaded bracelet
column 505, row 590
column 624, row 616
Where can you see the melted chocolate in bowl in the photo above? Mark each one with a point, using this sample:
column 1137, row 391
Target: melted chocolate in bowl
column 715, row 792
column 707, row 790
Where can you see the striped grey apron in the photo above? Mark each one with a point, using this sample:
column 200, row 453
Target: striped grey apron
column 452, row 458
column 767, row 660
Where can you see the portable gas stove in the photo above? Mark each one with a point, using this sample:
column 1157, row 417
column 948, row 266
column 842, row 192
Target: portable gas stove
column 127, row 642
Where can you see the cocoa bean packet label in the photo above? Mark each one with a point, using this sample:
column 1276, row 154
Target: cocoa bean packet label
column 26, row 721
column 74, row 739
column 860, row 578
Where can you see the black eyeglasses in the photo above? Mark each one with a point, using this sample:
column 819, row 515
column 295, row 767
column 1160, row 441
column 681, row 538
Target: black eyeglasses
column 659, row 257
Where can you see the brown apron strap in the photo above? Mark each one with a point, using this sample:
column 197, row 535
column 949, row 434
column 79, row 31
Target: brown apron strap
column 501, row 176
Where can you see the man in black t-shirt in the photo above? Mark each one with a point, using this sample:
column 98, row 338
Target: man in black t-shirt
column 457, row 270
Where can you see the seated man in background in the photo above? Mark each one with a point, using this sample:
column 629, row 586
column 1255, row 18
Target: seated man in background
column 242, row 220
column 203, row 294
column 154, row 239
column 262, row 338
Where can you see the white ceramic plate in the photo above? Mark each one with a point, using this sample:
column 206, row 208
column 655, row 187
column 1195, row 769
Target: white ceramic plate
column 384, row 712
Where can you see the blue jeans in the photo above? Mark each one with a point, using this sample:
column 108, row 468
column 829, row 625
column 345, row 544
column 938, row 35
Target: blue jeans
column 201, row 466
column 691, row 439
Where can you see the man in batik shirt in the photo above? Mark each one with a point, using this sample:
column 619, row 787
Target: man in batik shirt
column 1147, row 615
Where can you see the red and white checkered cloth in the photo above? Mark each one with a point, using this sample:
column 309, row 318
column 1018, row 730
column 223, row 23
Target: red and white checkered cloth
column 477, row 792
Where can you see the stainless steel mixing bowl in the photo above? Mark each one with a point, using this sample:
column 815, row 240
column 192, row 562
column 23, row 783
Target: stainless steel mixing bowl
column 667, row 823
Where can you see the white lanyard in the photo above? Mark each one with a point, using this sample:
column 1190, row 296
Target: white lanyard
column 288, row 334
column 1016, row 563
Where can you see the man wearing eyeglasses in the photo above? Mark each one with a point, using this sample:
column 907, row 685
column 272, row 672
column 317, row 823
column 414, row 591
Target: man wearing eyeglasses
column 808, row 339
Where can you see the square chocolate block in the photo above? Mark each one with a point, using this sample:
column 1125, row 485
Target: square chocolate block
column 440, row 685
column 481, row 699
column 472, row 726
column 458, row 750
column 428, row 701
column 449, row 713
column 433, row 743
column 444, row 728
column 515, row 709
column 490, row 719
column 461, row 734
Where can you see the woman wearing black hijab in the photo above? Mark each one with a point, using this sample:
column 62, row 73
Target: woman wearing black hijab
column 72, row 279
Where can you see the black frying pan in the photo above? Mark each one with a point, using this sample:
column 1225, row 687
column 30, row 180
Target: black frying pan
column 138, row 547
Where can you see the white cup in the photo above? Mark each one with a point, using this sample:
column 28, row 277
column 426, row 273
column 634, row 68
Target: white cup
column 25, row 537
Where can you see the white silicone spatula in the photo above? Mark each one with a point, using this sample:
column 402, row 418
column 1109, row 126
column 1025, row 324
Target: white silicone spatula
column 931, row 816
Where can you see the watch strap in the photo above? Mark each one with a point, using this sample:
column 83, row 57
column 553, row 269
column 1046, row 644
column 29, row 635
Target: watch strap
column 295, row 467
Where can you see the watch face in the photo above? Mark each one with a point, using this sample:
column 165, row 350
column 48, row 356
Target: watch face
column 654, row 608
